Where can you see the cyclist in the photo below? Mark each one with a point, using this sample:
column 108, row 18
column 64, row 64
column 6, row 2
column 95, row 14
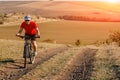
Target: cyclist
column 31, row 30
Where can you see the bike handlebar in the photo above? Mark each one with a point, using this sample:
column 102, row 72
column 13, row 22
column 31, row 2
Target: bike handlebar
column 24, row 36
column 21, row 36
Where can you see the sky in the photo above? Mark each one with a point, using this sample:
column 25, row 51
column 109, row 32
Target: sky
column 54, row 0
column 67, row 0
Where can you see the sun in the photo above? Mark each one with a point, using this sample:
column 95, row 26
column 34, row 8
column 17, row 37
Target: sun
column 112, row 1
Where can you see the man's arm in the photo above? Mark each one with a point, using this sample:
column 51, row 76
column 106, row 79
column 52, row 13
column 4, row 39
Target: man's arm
column 38, row 32
column 20, row 31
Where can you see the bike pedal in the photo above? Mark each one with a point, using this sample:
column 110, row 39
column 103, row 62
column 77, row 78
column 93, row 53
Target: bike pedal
column 33, row 54
column 30, row 62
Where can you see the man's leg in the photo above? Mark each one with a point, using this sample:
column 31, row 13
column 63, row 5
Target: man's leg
column 35, row 49
column 34, row 46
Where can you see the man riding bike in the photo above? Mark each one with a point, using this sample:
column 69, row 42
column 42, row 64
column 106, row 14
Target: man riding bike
column 31, row 30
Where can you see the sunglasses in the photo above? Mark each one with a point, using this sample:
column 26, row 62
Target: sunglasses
column 27, row 20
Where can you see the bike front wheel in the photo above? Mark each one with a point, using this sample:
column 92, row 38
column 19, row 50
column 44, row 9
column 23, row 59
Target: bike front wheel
column 26, row 51
column 32, row 55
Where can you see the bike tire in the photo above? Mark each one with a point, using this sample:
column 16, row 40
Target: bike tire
column 31, row 53
column 25, row 55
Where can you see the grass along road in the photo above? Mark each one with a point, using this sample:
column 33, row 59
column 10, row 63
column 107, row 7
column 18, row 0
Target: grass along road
column 14, row 49
column 107, row 64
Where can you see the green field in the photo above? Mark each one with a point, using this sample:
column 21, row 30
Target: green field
column 67, row 31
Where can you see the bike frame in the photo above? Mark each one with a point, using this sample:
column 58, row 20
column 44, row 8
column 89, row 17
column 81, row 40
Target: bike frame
column 27, row 51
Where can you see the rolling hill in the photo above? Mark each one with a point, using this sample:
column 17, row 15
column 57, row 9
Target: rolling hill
column 60, row 8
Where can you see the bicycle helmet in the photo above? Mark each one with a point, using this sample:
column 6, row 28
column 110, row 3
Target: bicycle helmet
column 27, row 18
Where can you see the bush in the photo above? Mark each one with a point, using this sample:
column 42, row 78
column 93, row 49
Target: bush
column 108, row 41
column 115, row 37
column 77, row 43
column 38, row 17
column 50, row 41
column 1, row 22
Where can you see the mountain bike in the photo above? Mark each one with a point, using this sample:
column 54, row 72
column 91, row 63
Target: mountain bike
column 28, row 51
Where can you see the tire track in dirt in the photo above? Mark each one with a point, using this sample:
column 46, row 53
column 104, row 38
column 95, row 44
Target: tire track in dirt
column 3, row 75
column 16, row 73
column 80, row 67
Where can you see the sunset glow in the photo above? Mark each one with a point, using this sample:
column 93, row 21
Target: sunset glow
column 112, row 1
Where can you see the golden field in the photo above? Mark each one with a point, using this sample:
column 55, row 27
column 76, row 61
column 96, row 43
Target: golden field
column 67, row 31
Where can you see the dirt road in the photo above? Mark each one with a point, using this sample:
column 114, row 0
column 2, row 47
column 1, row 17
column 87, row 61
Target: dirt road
column 14, row 70
column 80, row 66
